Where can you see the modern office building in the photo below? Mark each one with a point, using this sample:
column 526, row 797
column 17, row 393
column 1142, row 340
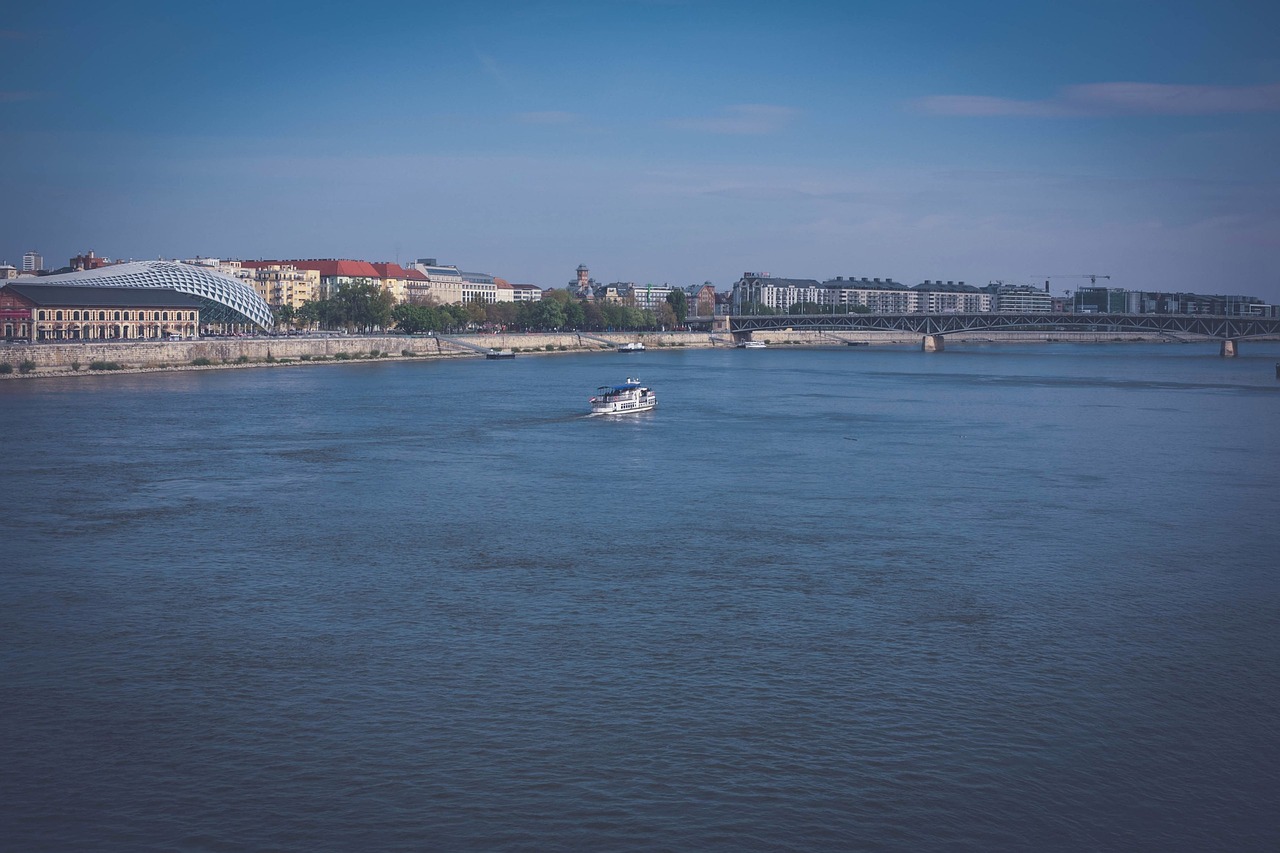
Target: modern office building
column 479, row 286
column 1020, row 298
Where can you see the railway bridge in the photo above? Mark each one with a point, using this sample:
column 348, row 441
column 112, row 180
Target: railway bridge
column 933, row 328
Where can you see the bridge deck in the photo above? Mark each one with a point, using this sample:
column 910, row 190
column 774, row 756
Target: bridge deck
column 1210, row 326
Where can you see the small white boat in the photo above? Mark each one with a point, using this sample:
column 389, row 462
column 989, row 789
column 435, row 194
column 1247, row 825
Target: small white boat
column 630, row 396
column 634, row 346
column 752, row 345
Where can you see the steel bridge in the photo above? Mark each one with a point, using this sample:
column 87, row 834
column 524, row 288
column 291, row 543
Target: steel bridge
column 932, row 327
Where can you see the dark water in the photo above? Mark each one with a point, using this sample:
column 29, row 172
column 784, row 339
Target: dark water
column 1011, row 598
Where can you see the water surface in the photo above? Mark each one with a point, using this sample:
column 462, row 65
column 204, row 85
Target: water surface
column 998, row 598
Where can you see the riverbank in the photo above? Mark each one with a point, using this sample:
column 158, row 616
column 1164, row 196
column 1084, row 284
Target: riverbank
column 28, row 361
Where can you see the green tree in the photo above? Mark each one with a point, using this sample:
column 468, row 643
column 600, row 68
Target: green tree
column 679, row 302
column 476, row 313
column 283, row 315
column 363, row 304
column 574, row 314
column 807, row 308
column 546, row 316
column 414, row 319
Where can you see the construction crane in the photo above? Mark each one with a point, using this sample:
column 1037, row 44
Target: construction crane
column 1093, row 279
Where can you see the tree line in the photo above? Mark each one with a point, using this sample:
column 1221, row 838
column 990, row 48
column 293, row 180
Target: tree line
column 365, row 306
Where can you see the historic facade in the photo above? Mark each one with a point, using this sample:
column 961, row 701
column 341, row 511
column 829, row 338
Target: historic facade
column 50, row 312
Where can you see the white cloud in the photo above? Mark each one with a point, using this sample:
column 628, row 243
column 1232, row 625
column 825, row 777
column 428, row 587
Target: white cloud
column 741, row 119
column 1114, row 99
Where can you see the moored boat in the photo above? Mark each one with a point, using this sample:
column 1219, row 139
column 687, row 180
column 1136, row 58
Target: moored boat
column 500, row 353
column 634, row 346
column 752, row 345
column 624, row 398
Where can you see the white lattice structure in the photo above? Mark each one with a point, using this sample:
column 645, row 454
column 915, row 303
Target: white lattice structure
column 228, row 300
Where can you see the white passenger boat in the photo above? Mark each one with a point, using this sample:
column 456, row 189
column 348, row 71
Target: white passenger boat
column 630, row 396
column 752, row 345
column 634, row 346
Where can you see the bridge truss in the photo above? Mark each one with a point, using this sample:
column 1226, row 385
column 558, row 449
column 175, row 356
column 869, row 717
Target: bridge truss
column 1210, row 326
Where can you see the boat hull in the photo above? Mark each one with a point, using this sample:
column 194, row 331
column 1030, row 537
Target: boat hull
column 624, row 399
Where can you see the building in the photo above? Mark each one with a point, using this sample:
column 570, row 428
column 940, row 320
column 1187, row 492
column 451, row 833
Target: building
column 440, row 283
column 88, row 261
column 1019, row 298
column 282, row 284
column 479, row 287
column 1147, row 302
column 583, row 286
column 334, row 272
column 1101, row 300
column 526, row 293
column 32, row 262
column 760, row 291
column 225, row 302
column 648, row 297
column 37, row 311
column 951, row 297
column 702, row 299
column 8, row 271
column 395, row 280
column 847, row 295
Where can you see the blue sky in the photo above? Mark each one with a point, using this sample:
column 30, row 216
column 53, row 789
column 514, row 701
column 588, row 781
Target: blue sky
column 655, row 141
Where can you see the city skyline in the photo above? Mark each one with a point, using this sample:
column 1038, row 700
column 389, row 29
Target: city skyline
column 657, row 141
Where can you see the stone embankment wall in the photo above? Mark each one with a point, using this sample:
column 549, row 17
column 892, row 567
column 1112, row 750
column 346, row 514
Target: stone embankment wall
column 70, row 356
column 49, row 357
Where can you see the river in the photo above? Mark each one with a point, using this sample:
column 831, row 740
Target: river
column 998, row 598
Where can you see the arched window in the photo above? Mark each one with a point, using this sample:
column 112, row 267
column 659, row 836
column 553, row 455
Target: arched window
column 102, row 315
column 75, row 315
column 44, row 315
column 59, row 317
column 164, row 316
column 117, row 315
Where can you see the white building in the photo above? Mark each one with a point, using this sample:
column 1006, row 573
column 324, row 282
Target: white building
column 443, row 283
column 775, row 294
column 649, row 297
column 879, row 297
column 1023, row 298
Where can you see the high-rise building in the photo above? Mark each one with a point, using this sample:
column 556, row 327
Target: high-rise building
column 32, row 262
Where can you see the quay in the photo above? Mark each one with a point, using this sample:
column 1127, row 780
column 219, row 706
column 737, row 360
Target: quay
column 78, row 357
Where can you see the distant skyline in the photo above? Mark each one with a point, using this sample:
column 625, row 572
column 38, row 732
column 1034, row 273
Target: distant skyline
column 656, row 140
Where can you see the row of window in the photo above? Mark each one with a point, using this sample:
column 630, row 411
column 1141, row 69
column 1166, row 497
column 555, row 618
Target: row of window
column 102, row 315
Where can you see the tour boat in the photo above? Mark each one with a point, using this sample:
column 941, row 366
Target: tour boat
column 628, row 397
column 634, row 346
column 500, row 353
column 752, row 345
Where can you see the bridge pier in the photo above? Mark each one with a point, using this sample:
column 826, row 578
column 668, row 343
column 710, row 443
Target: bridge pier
column 933, row 343
column 1230, row 348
